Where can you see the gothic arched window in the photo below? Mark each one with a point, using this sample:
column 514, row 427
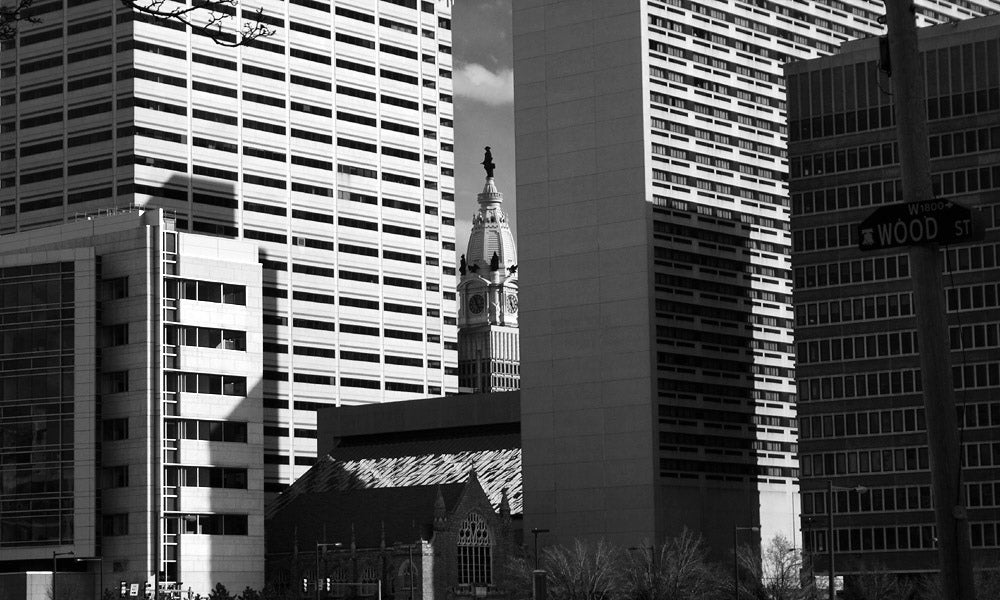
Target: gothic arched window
column 406, row 582
column 475, row 552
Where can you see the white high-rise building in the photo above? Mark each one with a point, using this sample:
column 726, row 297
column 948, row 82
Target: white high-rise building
column 328, row 144
column 657, row 371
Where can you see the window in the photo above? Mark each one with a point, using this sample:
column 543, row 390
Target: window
column 115, row 524
column 475, row 556
column 210, row 477
column 215, row 524
column 114, row 429
column 214, row 431
column 112, row 383
column 407, row 579
column 114, row 335
column 112, row 289
column 114, row 477
column 205, row 383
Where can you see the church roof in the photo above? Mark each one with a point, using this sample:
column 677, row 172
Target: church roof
column 496, row 468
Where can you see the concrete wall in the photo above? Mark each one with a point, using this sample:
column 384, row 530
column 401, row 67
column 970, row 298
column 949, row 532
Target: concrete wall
column 583, row 230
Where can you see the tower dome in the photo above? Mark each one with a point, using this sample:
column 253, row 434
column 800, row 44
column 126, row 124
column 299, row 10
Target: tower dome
column 490, row 233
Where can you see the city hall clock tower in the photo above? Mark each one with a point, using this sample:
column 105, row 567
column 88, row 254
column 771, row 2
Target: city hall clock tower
column 488, row 352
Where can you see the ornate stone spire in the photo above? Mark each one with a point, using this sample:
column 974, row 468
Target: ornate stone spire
column 487, row 295
column 490, row 232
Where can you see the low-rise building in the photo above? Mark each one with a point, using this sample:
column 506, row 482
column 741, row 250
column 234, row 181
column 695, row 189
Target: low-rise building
column 130, row 405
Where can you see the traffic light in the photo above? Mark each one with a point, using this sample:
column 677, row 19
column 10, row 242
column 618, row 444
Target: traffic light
column 122, row 589
column 305, row 584
column 327, row 588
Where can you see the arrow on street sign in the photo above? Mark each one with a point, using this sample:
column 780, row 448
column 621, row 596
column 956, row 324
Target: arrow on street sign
column 916, row 223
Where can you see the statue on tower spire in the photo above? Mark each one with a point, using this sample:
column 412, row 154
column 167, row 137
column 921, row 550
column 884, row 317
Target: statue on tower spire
column 488, row 163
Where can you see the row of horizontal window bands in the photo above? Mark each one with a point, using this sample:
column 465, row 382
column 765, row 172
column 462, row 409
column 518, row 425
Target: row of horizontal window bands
column 426, row 6
column 78, row 27
column 354, row 382
column 737, row 445
column 90, row 110
column 96, row 137
column 358, row 330
column 271, row 292
column 728, row 419
column 316, row 324
column 228, row 202
column 94, row 80
column 349, row 249
column 46, row 173
column 389, row 359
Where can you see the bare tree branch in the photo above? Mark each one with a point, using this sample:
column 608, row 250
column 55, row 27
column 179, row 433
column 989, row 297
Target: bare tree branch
column 11, row 15
column 206, row 17
column 210, row 18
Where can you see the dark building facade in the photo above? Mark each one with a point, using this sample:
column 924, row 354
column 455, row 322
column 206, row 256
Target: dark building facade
column 861, row 415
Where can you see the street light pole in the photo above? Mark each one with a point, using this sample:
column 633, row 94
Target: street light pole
column 54, row 556
column 324, row 547
column 860, row 489
column 736, row 557
column 536, row 531
column 829, row 536
column 410, row 567
column 97, row 559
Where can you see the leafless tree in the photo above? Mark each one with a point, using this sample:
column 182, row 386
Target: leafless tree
column 677, row 570
column 586, row 571
column 212, row 18
column 774, row 575
column 875, row 582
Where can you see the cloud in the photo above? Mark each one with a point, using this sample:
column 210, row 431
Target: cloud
column 476, row 82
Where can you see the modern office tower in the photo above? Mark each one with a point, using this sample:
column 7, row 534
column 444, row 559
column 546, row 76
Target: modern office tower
column 861, row 410
column 488, row 349
column 329, row 144
column 657, row 361
column 131, row 402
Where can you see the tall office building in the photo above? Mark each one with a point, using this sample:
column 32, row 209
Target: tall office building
column 657, row 359
column 488, row 347
column 328, row 144
column 130, row 405
column 861, row 410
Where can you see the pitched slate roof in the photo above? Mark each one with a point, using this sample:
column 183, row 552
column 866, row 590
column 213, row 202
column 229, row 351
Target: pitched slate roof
column 496, row 468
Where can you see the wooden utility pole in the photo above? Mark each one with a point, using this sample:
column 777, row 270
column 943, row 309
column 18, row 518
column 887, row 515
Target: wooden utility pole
column 954, row 554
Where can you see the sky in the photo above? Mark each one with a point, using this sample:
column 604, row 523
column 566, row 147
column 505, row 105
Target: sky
column 483, row 79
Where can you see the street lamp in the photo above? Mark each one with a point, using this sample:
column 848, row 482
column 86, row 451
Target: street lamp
column 829, row 528
column 536, row 531
column 97, row 559
column 324, row 546
column 54, row 556
column 736, row 557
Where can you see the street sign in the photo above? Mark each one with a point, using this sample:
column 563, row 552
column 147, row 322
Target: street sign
column 916, row 223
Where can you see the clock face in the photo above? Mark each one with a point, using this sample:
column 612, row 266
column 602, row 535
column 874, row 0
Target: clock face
column 512, row 304
column 476, row 304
